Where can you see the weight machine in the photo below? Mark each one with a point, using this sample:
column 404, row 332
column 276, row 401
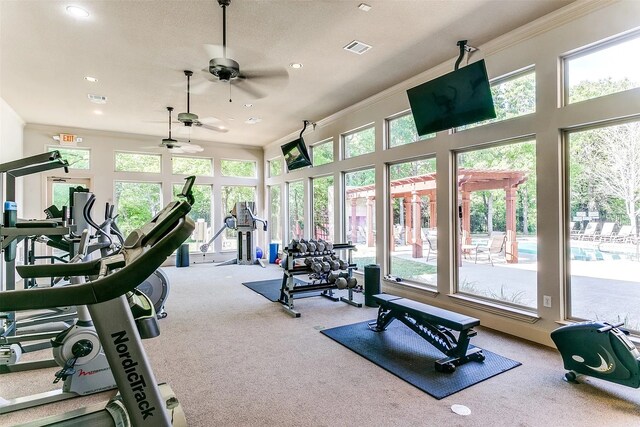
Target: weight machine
column 243, row 220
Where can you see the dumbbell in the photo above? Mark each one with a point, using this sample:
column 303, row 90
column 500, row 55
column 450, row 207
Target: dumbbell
column 316, row 266
column 320, row 246
column 293, row 246
column 341, row 283
column 332, row 276
column 311, row 247
column 328, row 246
column 352, row 282
column 308, row 261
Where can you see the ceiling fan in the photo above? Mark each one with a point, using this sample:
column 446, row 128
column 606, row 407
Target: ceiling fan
column 190, row 119
column 178, row 147
column 227, row 70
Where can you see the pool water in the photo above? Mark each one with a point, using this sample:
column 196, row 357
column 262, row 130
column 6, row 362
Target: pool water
column 579, row 254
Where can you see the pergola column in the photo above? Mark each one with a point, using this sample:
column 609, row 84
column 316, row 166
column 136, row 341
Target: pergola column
column 433, row 216
column 354, row 227
column 407, row 220
column 370, row 239
column 393, row 229
column 466, row 215
column 511, row 249
column 416, row 247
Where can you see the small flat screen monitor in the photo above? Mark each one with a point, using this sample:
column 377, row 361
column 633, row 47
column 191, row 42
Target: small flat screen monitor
column 458, row 98
column 295, row 154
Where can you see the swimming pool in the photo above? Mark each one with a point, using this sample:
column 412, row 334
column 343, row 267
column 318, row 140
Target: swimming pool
column 577, row 253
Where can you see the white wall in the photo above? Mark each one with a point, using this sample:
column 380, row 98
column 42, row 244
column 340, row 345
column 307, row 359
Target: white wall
column 102, row 173
column 11, row 144
column 541, row 44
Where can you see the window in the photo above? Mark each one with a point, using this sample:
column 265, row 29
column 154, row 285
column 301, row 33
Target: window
column 232, row 194
column 198, row 166
column 604, row 208
column 402, row 130
column 136, row 203
column 275, row 214
column 497, row 244
column 201, row 214
column 414, row 245
column 78, row 158
column 137, row 162
column 296, row 210
column 359, row 142
column 360, row 220
column 606, row 69
column 238, row 168
column 513, row 96
column 322, row 214
column 275, row 167
column 322, row 153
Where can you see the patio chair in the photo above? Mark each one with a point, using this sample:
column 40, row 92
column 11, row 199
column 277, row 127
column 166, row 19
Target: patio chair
column 589, row 232
column 624, row 234
column 606, row 232
column 432, row 245
column 495, row 246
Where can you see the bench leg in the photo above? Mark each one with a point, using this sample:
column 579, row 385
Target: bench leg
column 384, row 318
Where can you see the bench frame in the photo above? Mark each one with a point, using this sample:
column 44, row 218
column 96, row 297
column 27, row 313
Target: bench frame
column 427, row 326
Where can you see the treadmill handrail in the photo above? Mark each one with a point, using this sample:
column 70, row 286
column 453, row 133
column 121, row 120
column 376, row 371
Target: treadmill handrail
column 108, row 287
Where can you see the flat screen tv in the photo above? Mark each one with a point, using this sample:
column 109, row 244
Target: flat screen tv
column 458, row 98
column 295, row 154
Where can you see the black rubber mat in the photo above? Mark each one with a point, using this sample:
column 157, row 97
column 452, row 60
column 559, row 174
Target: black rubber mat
column 405, row 354
column 270, row 289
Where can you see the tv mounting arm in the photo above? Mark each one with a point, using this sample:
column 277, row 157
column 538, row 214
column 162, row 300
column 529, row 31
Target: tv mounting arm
column 464, row 47
column 307, row 123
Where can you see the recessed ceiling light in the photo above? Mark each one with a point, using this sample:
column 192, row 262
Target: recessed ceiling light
column 253, row 120
column 295, row 65
column 91, row 79
column 248, row 105
column 230, row 118
column 77, row 12
column 364, row 7
column 97, row 112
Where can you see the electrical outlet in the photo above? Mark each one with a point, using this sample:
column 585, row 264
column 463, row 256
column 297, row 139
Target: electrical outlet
column 546, row 301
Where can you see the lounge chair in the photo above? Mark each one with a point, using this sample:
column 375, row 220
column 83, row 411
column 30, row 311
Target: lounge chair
column 589, row 232
column 495, row 246
column 626, row 234
column 606, row 232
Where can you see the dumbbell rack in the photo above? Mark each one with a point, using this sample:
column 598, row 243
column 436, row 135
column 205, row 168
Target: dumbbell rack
column 290, row 288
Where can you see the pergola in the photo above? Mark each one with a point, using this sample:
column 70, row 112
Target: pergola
column 412, row 189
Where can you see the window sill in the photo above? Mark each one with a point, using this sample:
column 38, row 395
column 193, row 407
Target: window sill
column 501, row 310
column 414, row 287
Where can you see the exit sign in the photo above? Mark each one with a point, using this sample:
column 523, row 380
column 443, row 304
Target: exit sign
column 68, row 139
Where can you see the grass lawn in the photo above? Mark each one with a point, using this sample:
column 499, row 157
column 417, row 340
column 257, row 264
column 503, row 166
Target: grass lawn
column 401, row 267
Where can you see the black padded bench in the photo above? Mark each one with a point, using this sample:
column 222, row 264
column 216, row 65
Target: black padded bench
column 434, row 325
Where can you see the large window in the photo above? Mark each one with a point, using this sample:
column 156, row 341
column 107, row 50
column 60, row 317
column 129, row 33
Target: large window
column 359, row 142
column 322, row 153
column 199, row 166
column 360, row 219
column 136, row 203
column 603, row 70
column 275, row 167
column 201, row 213
column 137, row 162
column 513, row 96
column 497, row 225
column 296, row 210
column 78, row 158
column 238, row 168
column 604, row 209
column 275, row 214
column 322, row 214
column 402, row 131
column 414, row 245
column 232, row 194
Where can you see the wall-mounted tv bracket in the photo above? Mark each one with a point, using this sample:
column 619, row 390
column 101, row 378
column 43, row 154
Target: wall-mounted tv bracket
column 307, row 123
column 464, row 47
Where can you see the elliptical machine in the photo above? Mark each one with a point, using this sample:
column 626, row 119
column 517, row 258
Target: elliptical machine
column 600, row 350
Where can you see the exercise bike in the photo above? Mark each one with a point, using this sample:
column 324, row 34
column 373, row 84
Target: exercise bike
column 600, row 350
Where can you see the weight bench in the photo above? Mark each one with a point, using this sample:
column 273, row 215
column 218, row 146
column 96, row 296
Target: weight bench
column 435, row 325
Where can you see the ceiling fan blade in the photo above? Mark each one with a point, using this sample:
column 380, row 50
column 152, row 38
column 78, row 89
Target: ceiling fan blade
column 191, row 148
column 201, row 87
column 248, row 88
column 215, row 128
column 271, row 75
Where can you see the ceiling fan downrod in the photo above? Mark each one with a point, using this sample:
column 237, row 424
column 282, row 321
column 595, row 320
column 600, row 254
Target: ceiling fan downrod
column 223, row 4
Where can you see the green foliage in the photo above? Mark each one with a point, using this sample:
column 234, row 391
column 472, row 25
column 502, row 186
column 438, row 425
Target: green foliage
column 411, row 169
column 594, row 89
column 275, row 201
column 76, row 157
column 360, row 142
column 296, row 209
column 137, row 162
column 201, row 209
column 402, row 130
column 323, row 207
column 360, row 178
column 322, row 153
column 275, row 167
column 199, row 166
column 61, row 194
column 136, row 203
column 238, row 168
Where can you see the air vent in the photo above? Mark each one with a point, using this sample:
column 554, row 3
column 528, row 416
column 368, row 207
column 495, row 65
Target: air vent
column 97, row 99
column 357, row 47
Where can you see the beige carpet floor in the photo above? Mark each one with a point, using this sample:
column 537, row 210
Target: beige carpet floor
column 236, row 359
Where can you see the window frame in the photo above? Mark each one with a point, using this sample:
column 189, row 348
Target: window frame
column 318, row 144
column 51, row 148
column 344, row 135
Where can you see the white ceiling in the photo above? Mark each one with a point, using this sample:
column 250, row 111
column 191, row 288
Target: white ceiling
column 139, row 49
